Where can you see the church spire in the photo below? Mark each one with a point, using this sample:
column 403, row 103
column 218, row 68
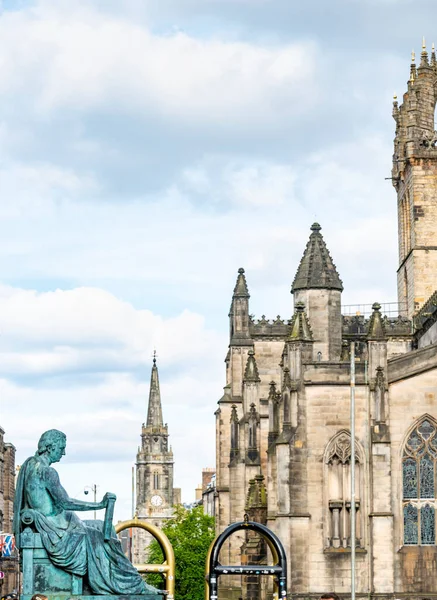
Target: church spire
column 316, row 269
column 154, row 412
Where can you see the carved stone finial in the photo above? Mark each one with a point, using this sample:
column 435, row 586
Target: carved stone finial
column 424, row 55
column 376, row 329
column 345, row 354
column 413, row 72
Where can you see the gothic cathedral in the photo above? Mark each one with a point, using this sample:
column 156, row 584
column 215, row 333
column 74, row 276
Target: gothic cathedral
column 154, row 472
column 283, row 422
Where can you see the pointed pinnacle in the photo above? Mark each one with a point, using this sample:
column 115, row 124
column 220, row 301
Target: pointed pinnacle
column 241, row 285
column 300, row 329
column 413, row 67
column 251, row 371
column 424, row 55
column 376, row 328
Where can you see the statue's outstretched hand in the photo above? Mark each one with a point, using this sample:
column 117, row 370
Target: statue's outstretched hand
column 108, row 496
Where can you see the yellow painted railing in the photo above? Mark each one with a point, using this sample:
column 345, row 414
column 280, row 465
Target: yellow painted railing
column 167, row 568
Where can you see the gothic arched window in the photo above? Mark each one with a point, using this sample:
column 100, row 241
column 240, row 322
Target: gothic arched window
column 419, row 468
column 338, row 487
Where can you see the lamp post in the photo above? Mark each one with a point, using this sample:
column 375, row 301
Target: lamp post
column 352, row 490
column 92, row 488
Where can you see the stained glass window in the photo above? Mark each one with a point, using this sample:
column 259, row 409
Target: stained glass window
column 419, row 485
column 426, row 429
column 410, row 524
column 410, row 478
column 427, row 524
column 414, row 441
column 426, row 477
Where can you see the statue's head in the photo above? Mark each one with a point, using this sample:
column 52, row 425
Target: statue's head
column 52, row 443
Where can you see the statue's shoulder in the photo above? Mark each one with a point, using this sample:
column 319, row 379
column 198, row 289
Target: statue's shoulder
column 36, row 468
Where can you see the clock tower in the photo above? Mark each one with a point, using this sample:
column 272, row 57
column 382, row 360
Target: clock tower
column 155, row 496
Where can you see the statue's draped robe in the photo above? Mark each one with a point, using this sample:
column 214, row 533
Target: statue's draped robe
column 79, row 548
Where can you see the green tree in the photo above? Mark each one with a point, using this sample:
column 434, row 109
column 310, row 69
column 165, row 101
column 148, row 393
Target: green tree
column 190, row 532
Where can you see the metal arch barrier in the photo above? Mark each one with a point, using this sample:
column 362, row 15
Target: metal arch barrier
column 167, row 568
column 278, row 570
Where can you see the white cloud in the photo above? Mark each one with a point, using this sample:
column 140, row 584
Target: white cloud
column 241, row 183
column 84, row 59
column 37, row 189
column 85, row 327
column 261, row 184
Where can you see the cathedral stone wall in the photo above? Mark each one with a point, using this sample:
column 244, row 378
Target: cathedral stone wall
column 285, row 414
column 412, row 398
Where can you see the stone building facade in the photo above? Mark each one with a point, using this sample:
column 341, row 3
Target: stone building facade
column 283, row 422
column 208, row 491
column 155, row 495
column 8, row 564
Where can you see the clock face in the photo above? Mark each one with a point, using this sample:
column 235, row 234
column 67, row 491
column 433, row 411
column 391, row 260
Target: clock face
column 156, row 500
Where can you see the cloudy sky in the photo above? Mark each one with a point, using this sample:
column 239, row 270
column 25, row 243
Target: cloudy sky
column 150, row 148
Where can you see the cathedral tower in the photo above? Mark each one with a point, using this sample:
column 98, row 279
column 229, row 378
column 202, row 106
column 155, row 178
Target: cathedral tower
column 154, row 469
column 414, row 176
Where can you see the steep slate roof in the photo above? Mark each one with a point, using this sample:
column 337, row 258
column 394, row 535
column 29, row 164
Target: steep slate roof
column 154, row 412
column 240, row 290
column 316, row 269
